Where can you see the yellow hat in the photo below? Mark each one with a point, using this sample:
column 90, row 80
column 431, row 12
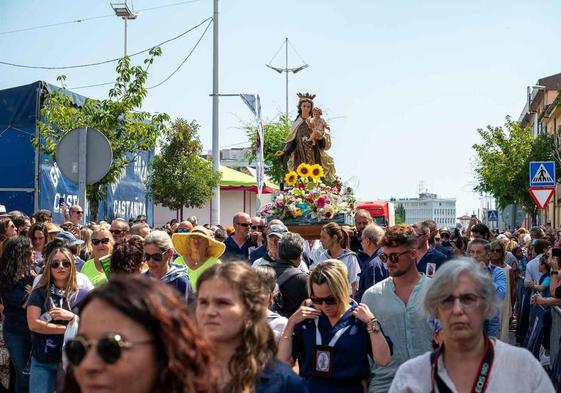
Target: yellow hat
column 52, row 228
column 183, row 246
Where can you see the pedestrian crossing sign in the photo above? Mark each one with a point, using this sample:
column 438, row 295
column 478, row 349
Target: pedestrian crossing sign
column 492, row 215
column 542, row 174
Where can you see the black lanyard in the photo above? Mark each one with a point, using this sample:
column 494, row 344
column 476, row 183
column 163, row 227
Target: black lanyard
column 482, row 379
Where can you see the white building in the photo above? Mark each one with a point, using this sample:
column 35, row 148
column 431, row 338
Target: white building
column 429, row 207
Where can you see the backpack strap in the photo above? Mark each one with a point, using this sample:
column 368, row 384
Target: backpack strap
column 287, row 275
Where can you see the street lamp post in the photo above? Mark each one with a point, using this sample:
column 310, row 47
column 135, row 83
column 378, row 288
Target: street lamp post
column 122, row 10
column 287, row 70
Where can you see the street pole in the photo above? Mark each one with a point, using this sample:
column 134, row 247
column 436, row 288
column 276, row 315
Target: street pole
column 215, row 204
column 286, row 68
column 125, row 19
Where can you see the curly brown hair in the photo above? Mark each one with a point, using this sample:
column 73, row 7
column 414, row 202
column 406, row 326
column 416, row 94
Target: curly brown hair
column 183, row 356
column 128, row 255
column 400, row 235
column 258, row 345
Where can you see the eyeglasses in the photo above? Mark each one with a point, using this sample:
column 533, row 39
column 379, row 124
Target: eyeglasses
column 158, row 257
column 117, row 231
column 257, row 226
column 182, row 230
column 109, row 348
column 105, row 240
column 244, row 224
column 56, row 263
column 467, row 300
column 329, row 301
column 392, row 257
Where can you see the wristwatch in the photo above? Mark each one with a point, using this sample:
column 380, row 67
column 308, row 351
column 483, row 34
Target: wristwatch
column 373, row 326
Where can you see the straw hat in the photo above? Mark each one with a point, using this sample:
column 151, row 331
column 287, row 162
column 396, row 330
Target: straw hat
column 183, row 246
column 52, row 228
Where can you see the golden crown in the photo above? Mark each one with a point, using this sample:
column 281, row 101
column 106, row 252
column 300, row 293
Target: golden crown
column 306, row 96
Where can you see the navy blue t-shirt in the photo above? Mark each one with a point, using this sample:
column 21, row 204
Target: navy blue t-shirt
column 235, row 253
column 277, row 377
column 351, row 364
column 47, row 348
column 15, row 316
column 430, row 262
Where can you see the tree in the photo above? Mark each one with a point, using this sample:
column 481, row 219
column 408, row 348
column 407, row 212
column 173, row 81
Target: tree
column 503, row 159
column 180, row 177
column 119, row 118
column 400, row 214
column 274, row 135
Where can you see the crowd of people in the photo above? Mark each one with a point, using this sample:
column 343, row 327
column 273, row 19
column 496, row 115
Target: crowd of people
column 253, row 307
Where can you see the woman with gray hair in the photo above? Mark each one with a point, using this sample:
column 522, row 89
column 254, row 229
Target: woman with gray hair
column 158, row 254
column 461, row 296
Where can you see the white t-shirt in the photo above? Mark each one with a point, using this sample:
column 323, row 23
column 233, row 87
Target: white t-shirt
column 514, row 370
column 82, row 280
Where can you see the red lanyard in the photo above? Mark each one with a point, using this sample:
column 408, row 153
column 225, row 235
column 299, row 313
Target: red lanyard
column 482, row 379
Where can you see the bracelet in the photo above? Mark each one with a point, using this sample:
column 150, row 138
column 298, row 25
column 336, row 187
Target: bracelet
column 286, row 336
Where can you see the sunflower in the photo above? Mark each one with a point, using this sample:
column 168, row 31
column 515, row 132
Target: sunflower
column 303, row 170
column 290, row 178
column 316, row 172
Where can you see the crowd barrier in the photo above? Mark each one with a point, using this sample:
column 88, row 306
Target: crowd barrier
column 555, row 331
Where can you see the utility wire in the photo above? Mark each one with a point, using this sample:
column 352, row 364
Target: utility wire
column 273, row 58
column 105, row 61
column 295, row 51
column 92, row 18
column 185, row 59
column 168, row 77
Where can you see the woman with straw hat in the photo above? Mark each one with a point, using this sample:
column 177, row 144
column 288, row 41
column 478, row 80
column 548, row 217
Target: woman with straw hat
column 198, row 250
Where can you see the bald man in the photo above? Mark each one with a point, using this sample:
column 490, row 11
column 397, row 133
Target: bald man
column 238, row 244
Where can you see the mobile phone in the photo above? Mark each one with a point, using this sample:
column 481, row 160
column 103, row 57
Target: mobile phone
column 60, row 201
column 556, row 252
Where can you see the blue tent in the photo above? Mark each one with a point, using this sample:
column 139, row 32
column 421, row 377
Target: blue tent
column 30, row 180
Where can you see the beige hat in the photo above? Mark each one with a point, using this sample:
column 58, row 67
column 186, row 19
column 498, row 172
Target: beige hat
column 183, row 246
column 52, row 228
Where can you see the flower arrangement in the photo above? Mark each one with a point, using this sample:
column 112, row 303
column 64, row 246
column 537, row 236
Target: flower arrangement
column 309, row 200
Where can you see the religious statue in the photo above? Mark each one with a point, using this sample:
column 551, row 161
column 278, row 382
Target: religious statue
column 308, row 141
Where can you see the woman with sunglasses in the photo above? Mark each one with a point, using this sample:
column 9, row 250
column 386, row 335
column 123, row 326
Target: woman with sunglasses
column 497, row 258
column 333, row 337
column 15, row 285
column 102, row 242
column 158, row 255
column 135, row 336
column 51, row 306
column 231, row 315
column 7, row 231
column 462, row 296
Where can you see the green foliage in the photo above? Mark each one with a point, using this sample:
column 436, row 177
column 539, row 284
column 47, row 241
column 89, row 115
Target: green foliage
column 400, row 214
column 180, row 177
column 274, row 135
column 503, row 160
column 119, row 118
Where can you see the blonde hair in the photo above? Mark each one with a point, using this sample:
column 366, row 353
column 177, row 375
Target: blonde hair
column 86, row 235
column 334, row 273
column 71, row 285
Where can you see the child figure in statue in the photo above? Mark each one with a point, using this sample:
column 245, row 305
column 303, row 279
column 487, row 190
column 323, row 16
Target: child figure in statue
column 318, row 125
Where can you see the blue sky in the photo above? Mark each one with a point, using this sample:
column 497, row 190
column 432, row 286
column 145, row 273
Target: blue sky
column 405, row 84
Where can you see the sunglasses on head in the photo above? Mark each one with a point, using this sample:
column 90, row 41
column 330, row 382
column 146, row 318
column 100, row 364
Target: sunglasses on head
column 109, row 348
column 105, row 240
column 329, row 301
column 244, row 224
column 56, row 263
column 158, row 257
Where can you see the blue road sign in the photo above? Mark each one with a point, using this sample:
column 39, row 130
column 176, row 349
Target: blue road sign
column 492, row 215
column 542, row 174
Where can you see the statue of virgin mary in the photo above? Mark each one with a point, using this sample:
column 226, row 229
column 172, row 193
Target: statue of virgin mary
column 298, row 147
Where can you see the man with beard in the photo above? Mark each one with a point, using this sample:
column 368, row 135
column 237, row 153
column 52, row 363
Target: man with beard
column 397, row 304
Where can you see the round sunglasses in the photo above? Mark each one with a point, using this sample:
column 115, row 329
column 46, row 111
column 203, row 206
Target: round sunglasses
column 56, row 263
column 109, row 348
